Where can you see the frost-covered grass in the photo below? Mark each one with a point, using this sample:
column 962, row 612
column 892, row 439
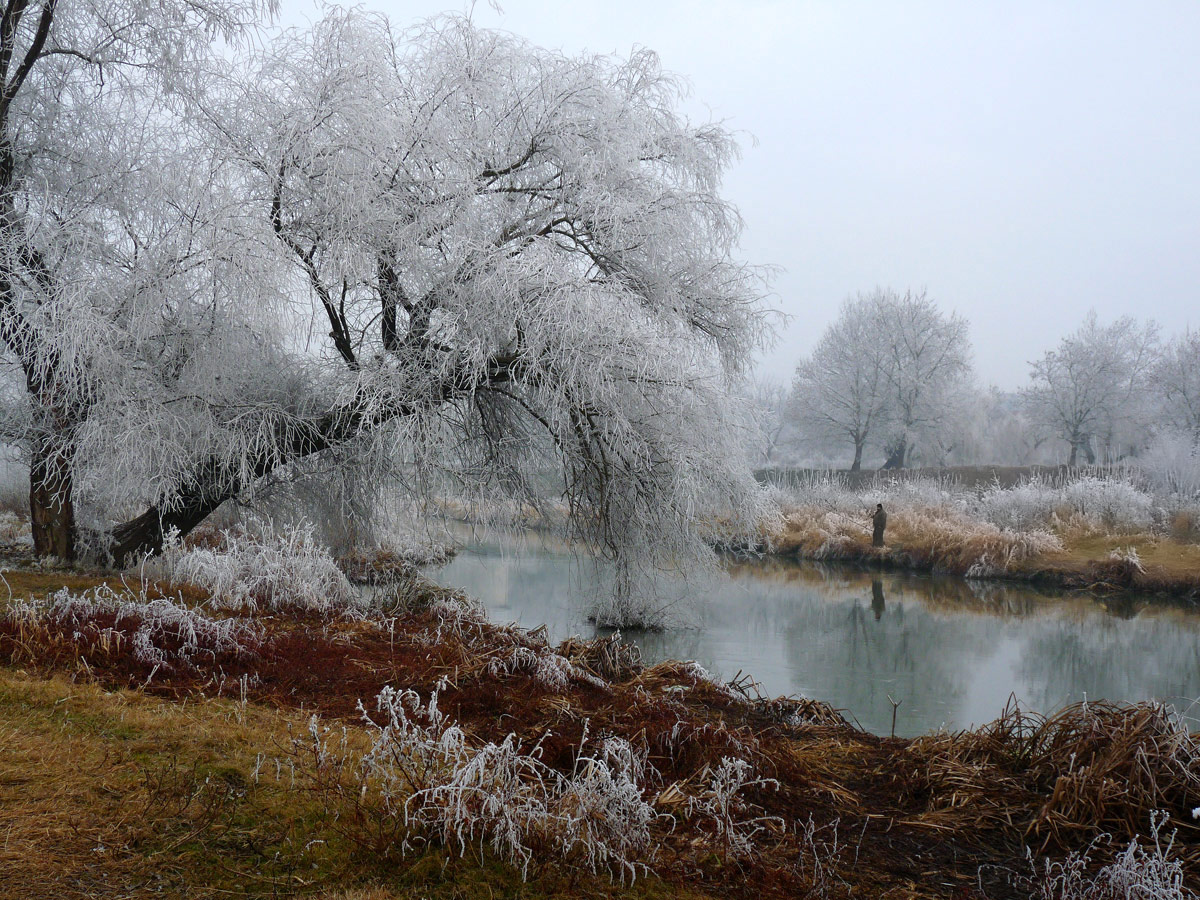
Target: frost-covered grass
column 263, row 570
column 722, row 805
column 13, row 527
column 1142, row 871
column 433, row 781
column 1108, row 504
column 159, row 632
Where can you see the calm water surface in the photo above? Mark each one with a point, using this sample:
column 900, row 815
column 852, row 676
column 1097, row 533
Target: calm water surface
column 949, row 650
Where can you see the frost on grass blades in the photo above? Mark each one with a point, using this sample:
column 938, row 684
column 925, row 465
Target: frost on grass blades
column 434, row 782
column 1142, row 871
column 161, row 632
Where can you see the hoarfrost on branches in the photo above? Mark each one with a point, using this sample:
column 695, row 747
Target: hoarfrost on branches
column 439, row 258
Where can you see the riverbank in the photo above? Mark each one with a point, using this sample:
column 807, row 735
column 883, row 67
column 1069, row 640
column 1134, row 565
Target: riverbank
column 1140, row 563
column 161, row 739
column 1092, row 534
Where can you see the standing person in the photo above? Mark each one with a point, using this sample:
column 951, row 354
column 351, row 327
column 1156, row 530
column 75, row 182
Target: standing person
column 879, row 521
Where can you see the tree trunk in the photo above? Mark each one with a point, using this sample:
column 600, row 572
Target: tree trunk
column 215, row 481
column 896, row 454
column 51, row 506
column 1074, row 454
column 857, row 464
column 1088, row 451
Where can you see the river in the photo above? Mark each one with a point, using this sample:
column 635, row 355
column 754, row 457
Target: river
column 950, row 651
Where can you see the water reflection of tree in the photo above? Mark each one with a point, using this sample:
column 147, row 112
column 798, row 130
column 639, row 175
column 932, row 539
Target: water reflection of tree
column 913, row 654
column 943, row 646
column 1154, row 654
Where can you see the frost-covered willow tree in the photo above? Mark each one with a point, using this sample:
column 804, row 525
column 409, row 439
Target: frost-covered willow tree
column 440, row 256
column 1093, row 383
column 93, row 250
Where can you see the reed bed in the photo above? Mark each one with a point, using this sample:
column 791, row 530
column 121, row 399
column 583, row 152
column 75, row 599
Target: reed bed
column 1059, row 781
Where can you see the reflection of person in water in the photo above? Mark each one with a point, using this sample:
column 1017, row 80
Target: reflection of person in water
column 879, row 522
column 877, row 602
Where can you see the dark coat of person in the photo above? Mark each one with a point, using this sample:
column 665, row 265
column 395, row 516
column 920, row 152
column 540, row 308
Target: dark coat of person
column 879, row 520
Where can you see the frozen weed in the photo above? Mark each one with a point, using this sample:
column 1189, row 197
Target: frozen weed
column 544, row 666
column 1136, row 873
column 13, row 528
column 285, row 570
column 433, row 782
column 1107, row 503
column 821, row 857
column 731, row 815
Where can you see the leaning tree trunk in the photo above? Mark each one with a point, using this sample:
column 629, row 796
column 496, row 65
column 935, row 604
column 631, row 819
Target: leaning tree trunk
column 51, row 506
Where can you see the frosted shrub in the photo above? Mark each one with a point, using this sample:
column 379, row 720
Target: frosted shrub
column 735, row 825
column 546, row 667
column 1137, row 873
column 1113, row 503
column 499, row 795
column 1103, row 502
column 285, row 570
column 1172, row 465
column 161, row 632
column 606, row 821
column 12, row 527
column 1023, row 506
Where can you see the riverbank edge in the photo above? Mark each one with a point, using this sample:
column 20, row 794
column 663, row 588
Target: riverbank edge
column 950, row 804
column 1099, row 576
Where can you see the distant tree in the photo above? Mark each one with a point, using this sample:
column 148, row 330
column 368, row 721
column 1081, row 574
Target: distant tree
column 841, row 391
column 989, row 427
column 1093, row 383
column 770, row 433
column 1176, row 384
column 926, row 357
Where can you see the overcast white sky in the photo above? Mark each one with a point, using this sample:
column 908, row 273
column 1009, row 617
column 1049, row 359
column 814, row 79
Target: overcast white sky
column 1023, row 161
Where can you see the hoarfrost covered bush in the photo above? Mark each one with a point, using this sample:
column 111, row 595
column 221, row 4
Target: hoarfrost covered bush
column 284, row 570
column 732, row 817
column 1137, row 873
column 161, row 631
column 1106, row 502
column 429, row 775
column 13, row 527
column 1172, row 464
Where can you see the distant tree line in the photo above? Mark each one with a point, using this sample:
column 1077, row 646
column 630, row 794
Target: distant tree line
column 890, row 382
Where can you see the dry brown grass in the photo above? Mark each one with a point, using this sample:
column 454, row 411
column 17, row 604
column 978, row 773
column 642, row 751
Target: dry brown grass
column 119, row 794
column 166, row 786
column 942, row 540
column 1061, row 780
